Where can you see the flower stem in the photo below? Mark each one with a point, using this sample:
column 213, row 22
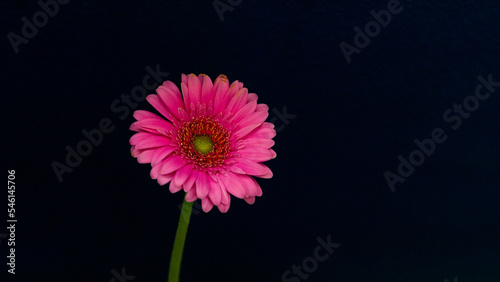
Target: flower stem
column 180, row 238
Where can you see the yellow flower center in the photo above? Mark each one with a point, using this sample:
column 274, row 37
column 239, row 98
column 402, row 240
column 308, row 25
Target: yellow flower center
column 203, row 144
column 204, row 141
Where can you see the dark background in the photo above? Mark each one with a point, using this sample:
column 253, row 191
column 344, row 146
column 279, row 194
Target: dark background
column 352, row 122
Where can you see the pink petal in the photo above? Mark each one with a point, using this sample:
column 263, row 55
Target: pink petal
column 267, row 175
column 169, row 85
column 146, row 156
column 244, row 111
column 171, row 97
column 264, row 131
column 164, row 178
column 250, row 167
column 153, row 124
column 250, row 200
column 172, row 163
column 233, row 89
column 194, row 88
column 236, row 169
column 160, row 154
column 242, row 132
column 174, row 188
column 182, row 114
column 185, row 94
column 206, row 204
column 237, row 101
column 215, row 193
column 206, row 90
column 136, row 138
column 233, row 185
column 157, row 103
column 268, row 125
column 141, row 114
column 256, row 118
column 249, row 123
column 225, row 98
column 191, row 195
column 153, row 142
column 202, row 185
column 252, row 97
column 225, row 197
column 260, row 142
column 184, row 79
column 250, row 185
column 213, row 176
column 255, row 153
column 273, row 152
column 155, row 171
column 189, row 183
column 135, row 152
column 224, row 208
column 134, row 127
column 262, row 108
column 182, row 174
column 221, row 85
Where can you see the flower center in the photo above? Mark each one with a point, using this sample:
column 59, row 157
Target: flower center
column 203, row 144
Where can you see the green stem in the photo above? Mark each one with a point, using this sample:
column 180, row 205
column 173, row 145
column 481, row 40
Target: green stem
column 180, row 238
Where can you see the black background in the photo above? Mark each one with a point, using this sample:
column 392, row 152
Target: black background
column 352, row 121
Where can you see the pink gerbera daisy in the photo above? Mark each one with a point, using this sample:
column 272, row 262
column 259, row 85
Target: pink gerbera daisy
column 213, row 140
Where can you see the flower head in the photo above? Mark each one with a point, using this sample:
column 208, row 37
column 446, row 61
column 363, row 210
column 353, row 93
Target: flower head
column 210, row 142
